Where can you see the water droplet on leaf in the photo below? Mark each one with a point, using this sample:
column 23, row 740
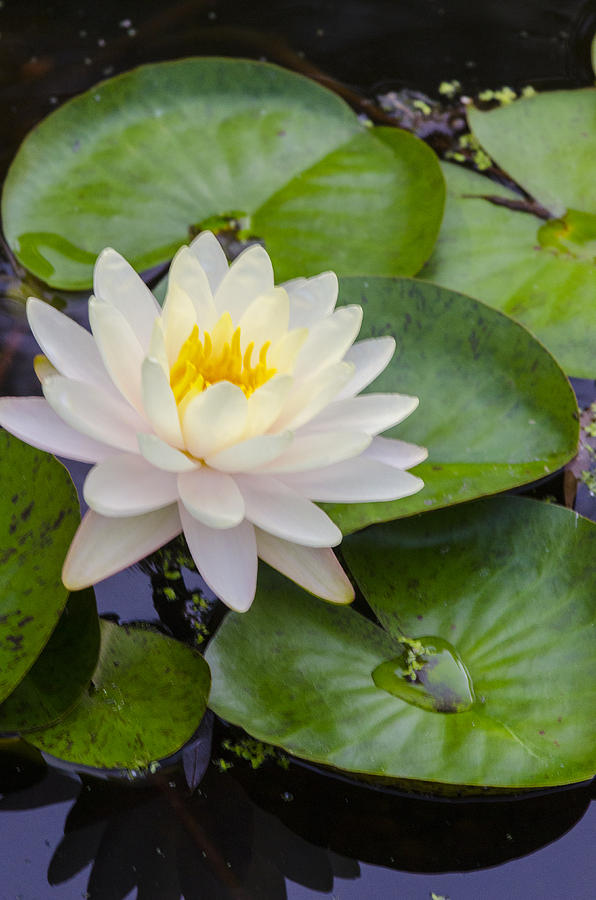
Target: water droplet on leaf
column 429, row 674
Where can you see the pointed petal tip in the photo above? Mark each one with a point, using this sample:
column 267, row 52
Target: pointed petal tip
column 74, row 581
column 317, row 570
column 238, row 605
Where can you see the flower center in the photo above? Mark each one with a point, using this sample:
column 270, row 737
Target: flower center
column 218, row 357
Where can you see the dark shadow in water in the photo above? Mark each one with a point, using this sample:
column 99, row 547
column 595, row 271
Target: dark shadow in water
column 409, row 833
column 242, row 833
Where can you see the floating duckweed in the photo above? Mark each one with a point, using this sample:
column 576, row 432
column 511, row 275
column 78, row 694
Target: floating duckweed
column 503, row 96
column 201, row 632
column 422, row 106
column 589, row 479
column 449, row 88
column 255, row 752
column 469, row 142
column 172, row 574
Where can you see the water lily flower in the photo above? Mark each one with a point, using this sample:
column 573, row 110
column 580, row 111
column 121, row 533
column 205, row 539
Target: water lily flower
column 224, row 415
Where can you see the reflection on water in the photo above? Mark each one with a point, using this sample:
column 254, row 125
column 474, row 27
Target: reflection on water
column 271, row 832
column 257, row 834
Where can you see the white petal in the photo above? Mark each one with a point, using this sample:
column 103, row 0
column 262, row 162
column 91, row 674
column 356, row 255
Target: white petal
column 316, row 569
column 157, row 346
column 359, row 480
column 127, row 485
column 396, row 453
column 247, row 455
column 328, row 341
column 250, row 274
column 103, row 545
column 211, row 497
column 160, row 405
column 227, row 560
column 120, row 349
column 187, row 274
column 34, row 421
column 308, row 398
column 68, row 346
column 370, row 413
column 311, row 299
column 266, row 319
column 311, row 451
column 370, row 358
column 178, row 320
column 214, row 419
column 210, row 254
column 97, row 414
column 116, row 282
column 283, row 352
column 275, row 508
column 265, row 405
column 161, row 455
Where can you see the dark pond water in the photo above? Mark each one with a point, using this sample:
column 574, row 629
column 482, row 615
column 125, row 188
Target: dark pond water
column 275, row 832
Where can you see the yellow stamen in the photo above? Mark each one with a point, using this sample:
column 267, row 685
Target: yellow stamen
column 218, row 357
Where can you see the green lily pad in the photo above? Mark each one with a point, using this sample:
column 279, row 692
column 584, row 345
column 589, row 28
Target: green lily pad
column 141, row 158
column 147, row 696
column 505, row 585
column 547, row 144
column 342, row 213
column 55, row 682
column 495, row 409
column 514, row 261
column 39, row 513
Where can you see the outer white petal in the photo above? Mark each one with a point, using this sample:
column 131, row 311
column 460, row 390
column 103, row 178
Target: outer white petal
column 250, row 274
column 127, row 485
column 311, row 299
column 266, row 319
column 396, row 453
column 214, row 419
column 178, row 319
column 211, row 497
column 160, row 405
column 316, row 569
column 34, row 421
column 370, row 358
column 287, row 514
column 328, row 341
column 103, row 545
column 120, row 349
column 308, row 398
column 247, row 455
column 227, row 560
column 370, row 413
column 210, row 254
column 265, row 405
column 116, row 282
column 359, row 480
column 312, row 451
column 187, row 274
column 97, row 414
column 163, row 456
column 68, row 346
